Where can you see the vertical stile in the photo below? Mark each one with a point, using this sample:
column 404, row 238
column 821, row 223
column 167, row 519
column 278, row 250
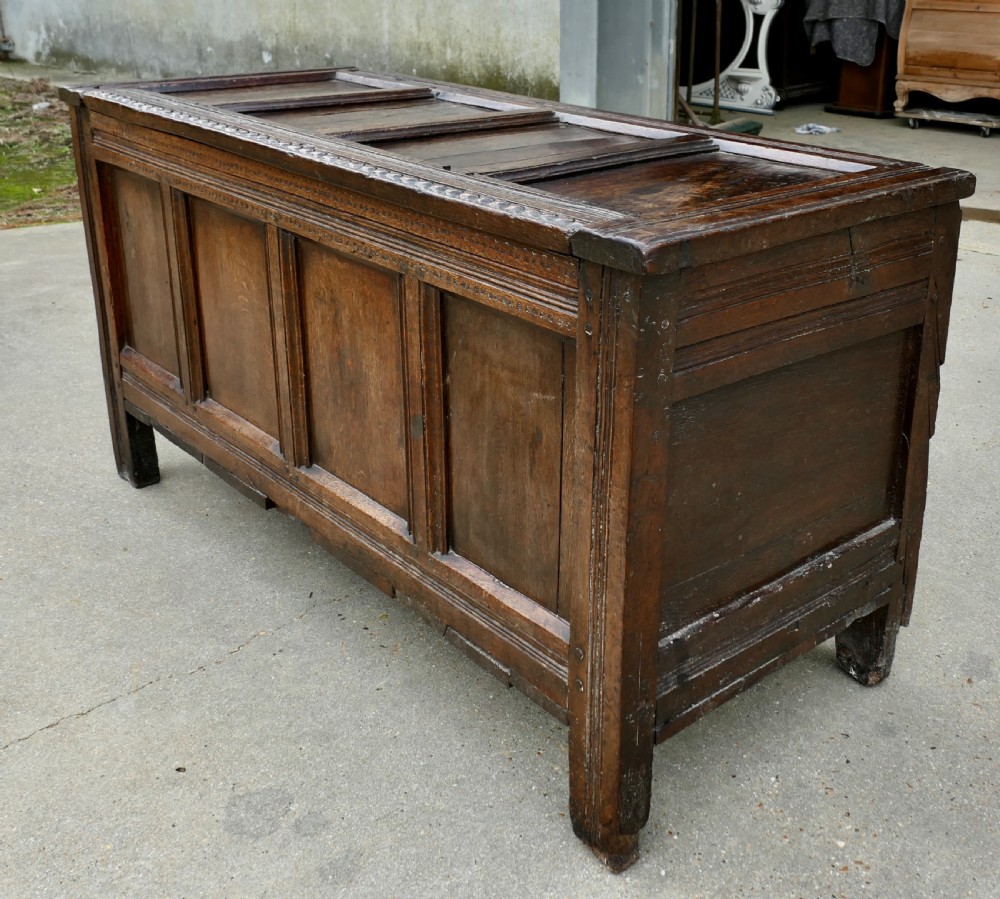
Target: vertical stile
column 287, row 341
column 189, row 324
column 435, row 449
column 411, row 321
column 172, row 211
column 612, row 644
column 132, row 440
column 946, row 225
column 571, row 554
column 295, row 354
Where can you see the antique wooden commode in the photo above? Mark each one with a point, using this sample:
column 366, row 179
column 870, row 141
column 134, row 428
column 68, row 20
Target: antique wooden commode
column 635, row 412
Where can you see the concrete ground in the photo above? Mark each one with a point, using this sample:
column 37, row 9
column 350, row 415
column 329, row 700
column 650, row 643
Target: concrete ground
column 198, row 702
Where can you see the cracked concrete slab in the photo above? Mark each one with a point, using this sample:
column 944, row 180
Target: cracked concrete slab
column 198, row 701
column 197, row 670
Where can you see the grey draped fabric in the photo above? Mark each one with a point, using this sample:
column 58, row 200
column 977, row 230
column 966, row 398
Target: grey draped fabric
column 852, row 25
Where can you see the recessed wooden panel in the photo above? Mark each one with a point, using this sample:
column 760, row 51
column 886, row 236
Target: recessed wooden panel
column 504, row 384
column 768, row 471
column 142, row 240
column 273, row 92
column 390, row 117
column 682, row 185
column 464, row 152
column 354, row 373
column 230, row 259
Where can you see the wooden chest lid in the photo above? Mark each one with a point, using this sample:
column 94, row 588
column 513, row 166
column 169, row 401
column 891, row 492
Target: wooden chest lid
column 640, row 194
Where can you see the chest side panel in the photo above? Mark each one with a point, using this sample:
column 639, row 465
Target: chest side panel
column 791, row 401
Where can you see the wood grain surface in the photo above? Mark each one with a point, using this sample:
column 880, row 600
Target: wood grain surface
column 633, row 413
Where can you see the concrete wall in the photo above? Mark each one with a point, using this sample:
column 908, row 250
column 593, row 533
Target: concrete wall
column 506, row 44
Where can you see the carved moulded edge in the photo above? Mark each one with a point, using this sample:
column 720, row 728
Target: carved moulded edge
column 291, row 144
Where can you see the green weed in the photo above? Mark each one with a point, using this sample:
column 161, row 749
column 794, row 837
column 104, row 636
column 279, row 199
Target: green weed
column 37, row 173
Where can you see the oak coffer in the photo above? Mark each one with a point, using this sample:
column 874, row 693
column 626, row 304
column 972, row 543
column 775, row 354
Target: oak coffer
column 634, row 412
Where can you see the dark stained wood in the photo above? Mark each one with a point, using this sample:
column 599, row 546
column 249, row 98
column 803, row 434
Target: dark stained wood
column 504, row 407
column 355, row 562
column 355, row 97
column 819, row 621
column 468, row 262
column 231, row 97
column 544, row 151
column 578, row 160
column 466, row 151
column 286, row 316
column 570, row 549
column 866, row 648
column 354, row 373
column 733, row 295
column 868, row 90
column 722, row 651
column 579, row 539
column 132, row 440
column 715, row 363
column 814, row 443
column 142, row 466
column 632, row 435
column 230, row 262
column 423, row 475
column 682, row 184
column 923, row 410
column 612, row 695
column 398, row 120
column 661, row 244
column 250, row 492
column 187, row 329
column 207, row 84
column 451, row 202
column 158, row 379
column 426, row 357
column 142, row 236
